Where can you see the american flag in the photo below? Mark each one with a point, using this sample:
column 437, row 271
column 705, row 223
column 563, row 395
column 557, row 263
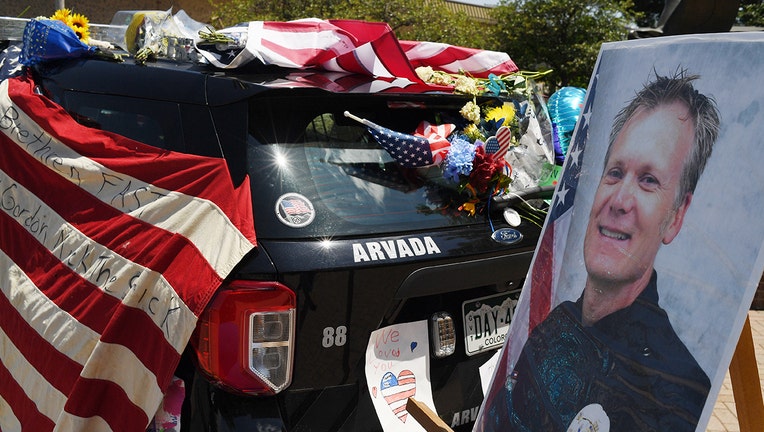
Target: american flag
column 368, row 48
column 9, row 61
column 410, row 151
column 455, row 59
column 397, row 390
column 544, row 267
column 499, row 144
column 295, row 207
column 427, row 146
column 437, row 136
column 110, row 250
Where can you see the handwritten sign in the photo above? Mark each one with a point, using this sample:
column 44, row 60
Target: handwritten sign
column 135, row 285
column 397, row 365
column 110, row 250
column 127, row 195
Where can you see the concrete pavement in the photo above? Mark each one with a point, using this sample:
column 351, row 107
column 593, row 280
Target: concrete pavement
column 724, row 417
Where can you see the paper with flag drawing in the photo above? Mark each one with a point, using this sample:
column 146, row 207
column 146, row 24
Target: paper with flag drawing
column 397, row 368
column 110, row 250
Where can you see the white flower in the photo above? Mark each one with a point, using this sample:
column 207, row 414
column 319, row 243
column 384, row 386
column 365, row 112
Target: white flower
column 467, row 85
column 425, row 73
column 471, row 111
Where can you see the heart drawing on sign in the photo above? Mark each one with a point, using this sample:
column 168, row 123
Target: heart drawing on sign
column 397, row 391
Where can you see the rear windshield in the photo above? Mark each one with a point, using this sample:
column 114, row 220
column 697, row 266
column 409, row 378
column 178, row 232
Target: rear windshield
column 317, row 173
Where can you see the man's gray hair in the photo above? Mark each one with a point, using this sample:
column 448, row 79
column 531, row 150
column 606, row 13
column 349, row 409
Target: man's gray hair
column 665, row 90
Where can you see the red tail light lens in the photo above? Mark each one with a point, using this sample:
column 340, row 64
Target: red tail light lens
column 245, row 337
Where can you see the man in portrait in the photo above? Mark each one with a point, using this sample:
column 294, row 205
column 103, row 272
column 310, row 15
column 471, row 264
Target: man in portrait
column 611, row 360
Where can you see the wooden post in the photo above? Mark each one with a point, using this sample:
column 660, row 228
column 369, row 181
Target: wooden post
column 426, row 417
column 746, row 387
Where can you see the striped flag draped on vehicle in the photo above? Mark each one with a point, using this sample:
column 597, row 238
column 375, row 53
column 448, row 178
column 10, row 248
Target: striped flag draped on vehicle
column 455, row 59
column 368, row 48
column 110, row 250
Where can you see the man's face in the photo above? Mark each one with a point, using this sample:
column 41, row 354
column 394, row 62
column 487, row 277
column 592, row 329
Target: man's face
column 634, row 207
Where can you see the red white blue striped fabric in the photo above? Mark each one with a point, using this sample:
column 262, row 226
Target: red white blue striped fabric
column 455, row 59
column 362, row 47
column 110, row 250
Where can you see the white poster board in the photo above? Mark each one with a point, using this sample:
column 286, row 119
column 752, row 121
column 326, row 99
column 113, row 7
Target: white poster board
column 619, row 374
column 397, row 368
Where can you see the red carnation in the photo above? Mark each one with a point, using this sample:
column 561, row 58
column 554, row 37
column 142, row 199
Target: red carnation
column 484, row 168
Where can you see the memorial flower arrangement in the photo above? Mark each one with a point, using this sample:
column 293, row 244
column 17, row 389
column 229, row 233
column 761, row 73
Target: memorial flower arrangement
column 476, row 159
column 62, row 35
column 79, row 23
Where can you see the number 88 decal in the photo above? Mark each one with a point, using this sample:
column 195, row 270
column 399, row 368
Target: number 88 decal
column 334, row 337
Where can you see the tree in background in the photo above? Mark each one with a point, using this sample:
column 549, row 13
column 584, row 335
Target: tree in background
column 562, row 35
column 751, row 13
column 429, row 20
column 229, row 12
column 649, row 12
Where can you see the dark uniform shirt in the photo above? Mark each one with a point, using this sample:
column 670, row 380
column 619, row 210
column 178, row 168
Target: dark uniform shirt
column 631, row 362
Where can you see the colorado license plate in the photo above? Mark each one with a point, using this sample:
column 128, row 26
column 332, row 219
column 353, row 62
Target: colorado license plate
column 486, row 321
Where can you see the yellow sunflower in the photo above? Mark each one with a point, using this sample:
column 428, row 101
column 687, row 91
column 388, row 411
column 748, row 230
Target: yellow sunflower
column 506, row 112
column 62, row 15
column 81, row 26
column 77, row 22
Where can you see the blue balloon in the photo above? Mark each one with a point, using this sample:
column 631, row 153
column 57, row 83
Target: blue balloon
column 564, row 109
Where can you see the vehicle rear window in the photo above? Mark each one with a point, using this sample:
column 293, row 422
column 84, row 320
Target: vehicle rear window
column 156, row 123
column 305, row 157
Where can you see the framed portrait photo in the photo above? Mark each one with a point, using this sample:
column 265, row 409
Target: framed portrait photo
column 652, row 250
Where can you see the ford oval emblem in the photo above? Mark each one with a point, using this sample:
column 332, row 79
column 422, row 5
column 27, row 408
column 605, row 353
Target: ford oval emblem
column 507, row 236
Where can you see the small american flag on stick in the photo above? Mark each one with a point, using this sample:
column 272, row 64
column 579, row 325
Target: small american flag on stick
column 410, row 151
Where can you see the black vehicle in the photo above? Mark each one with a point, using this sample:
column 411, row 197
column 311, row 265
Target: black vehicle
column 348, row 241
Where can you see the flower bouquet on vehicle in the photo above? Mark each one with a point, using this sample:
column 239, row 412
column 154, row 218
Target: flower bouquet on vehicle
column 62, row 35
column 498, row 146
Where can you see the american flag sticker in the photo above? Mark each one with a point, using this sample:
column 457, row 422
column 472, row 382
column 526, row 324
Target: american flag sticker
column 295, row 210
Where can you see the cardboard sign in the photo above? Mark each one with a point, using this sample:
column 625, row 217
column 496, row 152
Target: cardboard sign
column 642, row 280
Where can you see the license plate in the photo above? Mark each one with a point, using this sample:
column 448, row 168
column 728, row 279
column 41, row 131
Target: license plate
column 486, row 321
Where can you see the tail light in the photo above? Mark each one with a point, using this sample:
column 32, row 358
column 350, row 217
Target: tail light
column 244, row 339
